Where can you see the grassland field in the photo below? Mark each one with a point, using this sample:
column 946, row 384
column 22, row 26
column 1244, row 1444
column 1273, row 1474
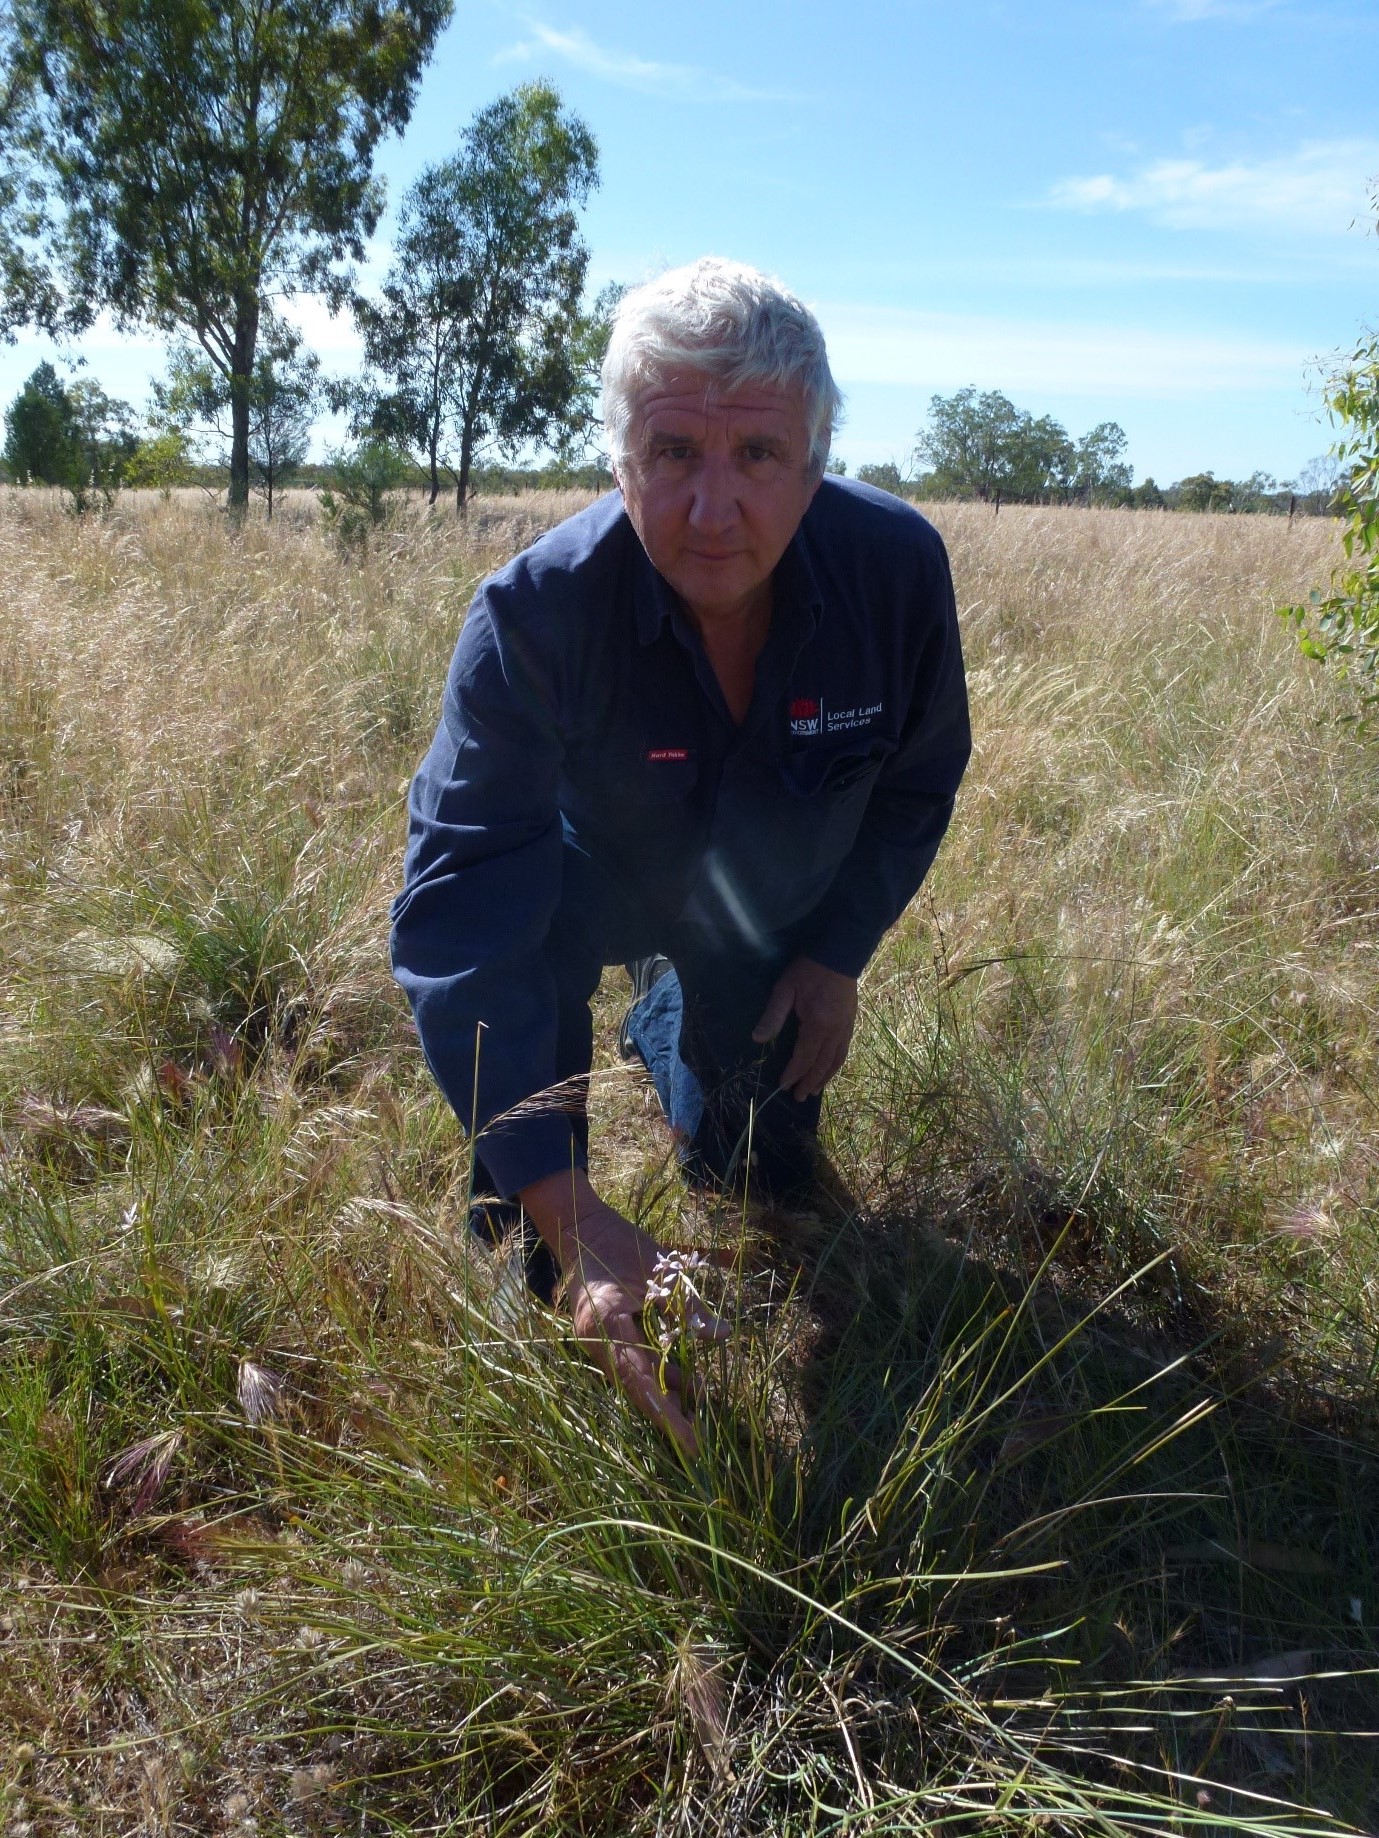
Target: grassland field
column 1040, row 1479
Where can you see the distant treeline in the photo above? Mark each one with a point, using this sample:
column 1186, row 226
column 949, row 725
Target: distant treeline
column 196, row 195
column 1200, row 491
column 981, row 447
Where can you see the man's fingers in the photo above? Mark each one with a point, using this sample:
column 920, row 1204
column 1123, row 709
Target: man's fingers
column 776, row 1013
column 705, row 1325
column 618, row 1348
column 637, row 1372
column 810, row 1061
column 802, row 1060
column 825, row 1068
column 610, row 1324
column 689, row 1387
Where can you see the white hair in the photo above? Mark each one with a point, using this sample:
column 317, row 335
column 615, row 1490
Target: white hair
column 734, row 323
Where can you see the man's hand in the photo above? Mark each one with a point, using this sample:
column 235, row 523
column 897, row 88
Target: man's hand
column 607, row 1262
column 825, row 1003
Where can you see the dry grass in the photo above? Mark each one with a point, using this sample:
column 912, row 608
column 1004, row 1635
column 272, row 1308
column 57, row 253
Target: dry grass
column 299, row 1539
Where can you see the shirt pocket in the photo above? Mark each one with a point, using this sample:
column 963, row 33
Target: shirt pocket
column 829, row 789
column 816, row 772
column 620, row 792
column 654, row 776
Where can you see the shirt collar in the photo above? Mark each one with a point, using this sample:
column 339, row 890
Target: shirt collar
column 798, row 596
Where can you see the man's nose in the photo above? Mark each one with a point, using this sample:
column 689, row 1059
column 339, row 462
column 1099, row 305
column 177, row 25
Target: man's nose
column 714, row 504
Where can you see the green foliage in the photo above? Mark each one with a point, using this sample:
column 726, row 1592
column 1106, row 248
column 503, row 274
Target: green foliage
column 29, row 291
column 1148, row 497
column 41, row 433
column 160, row 462
column 105, row 440
column 1203, row 491
column 1100, row 472
column 577, row 432
column 285, row 398
column 1314, row 490
column 204, row 154
column 1342, row 627
column 983, row 446
column 77, row 437
column 885, row 477
column 478, row 336
column 363, row 480
column 1260, row 493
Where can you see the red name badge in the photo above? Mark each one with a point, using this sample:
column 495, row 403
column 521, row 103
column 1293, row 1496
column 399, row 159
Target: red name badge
column 657, row 754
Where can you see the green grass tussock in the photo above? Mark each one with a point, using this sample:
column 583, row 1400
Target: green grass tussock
column 1039, row 1477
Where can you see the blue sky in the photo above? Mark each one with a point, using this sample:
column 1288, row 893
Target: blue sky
column 1153, row 213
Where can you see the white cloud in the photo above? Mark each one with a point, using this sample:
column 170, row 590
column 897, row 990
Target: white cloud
column 1320, row 188
column 682, row 82
column 944, row 351
column 331, row 335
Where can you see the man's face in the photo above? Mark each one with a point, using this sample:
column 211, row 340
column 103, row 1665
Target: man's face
column 716, row 485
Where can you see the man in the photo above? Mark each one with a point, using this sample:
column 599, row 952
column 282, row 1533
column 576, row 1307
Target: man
column 712, row 727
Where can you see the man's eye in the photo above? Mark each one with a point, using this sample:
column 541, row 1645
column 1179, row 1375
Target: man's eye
column 757, row 454
column 675, row 450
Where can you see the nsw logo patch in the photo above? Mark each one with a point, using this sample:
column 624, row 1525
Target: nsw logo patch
column 805, row 717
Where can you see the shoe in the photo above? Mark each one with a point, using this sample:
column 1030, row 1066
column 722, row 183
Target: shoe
column 505, row 1228
column 646, row 973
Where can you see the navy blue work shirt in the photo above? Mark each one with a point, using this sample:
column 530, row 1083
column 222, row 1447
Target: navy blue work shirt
column 580, row 700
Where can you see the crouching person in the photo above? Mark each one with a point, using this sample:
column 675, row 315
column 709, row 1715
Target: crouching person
column 712, row 728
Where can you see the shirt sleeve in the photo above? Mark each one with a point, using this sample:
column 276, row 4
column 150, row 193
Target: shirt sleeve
column 481, row 883
column 910, row 805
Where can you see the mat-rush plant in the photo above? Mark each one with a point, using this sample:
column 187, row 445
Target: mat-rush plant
column 926, row 1594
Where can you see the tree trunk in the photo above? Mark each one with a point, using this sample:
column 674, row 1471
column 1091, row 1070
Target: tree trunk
column 466, row 462
column 467, row 431
column 242, row 370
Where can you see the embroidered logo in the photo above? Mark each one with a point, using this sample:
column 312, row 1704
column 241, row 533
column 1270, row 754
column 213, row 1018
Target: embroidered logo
column 844, row 720
column 658, row 754
column 804, row 717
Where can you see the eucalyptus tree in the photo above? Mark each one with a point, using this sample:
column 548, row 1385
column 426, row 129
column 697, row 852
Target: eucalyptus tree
column 477, row 336
column 203, row 156
column 286, row 396
column 979, row 444
column 1100, row 468
column 971, row 443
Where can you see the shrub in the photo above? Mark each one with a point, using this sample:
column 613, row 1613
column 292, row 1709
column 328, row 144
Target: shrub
column 359, row 498
column 1343, row 626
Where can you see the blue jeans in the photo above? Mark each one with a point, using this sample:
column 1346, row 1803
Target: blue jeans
column 719, row 1090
